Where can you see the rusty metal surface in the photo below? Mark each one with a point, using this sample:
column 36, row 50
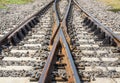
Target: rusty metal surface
column 60, row 40
column 62, row 23
column 47, row 68
column 60, row 35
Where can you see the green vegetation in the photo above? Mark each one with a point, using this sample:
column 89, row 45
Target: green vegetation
column 115, row 4
column 2, row 6
column 5, row 2
column 114, row 9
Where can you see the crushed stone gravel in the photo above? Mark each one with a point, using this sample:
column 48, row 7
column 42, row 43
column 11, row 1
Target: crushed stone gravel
column 99, row 10
column 14, row 14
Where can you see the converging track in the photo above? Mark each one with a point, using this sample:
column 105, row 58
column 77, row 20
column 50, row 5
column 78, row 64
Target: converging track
column 61, row 43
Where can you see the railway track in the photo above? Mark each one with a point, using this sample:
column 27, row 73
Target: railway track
column 61, row 43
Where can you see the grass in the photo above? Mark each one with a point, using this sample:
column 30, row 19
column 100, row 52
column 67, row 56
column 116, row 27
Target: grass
column 2, row 6
column 115, row 4
column 5, row 2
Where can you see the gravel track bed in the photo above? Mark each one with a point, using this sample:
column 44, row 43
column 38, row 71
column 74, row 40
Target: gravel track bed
column 14, row 14
column 100, row 11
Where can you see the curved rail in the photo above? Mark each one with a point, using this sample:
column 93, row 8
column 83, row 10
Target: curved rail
column 63, row 22
column 57, row 18
column 56, row 23
column 60, row 35
column 67, row 12
column 60, row 39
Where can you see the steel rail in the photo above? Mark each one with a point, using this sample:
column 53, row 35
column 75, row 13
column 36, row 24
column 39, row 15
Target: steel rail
column 62, row 23
column 67, row 12
column 59, row 35
column 71, row 61
column 44, row 75
column 56, row 23
column 4, row 40
column 108, row 31
column 57, row 18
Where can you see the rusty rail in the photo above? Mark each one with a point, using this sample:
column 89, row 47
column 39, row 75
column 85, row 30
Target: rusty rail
column 60, row 36
column 62, row 23
column 60, row 39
